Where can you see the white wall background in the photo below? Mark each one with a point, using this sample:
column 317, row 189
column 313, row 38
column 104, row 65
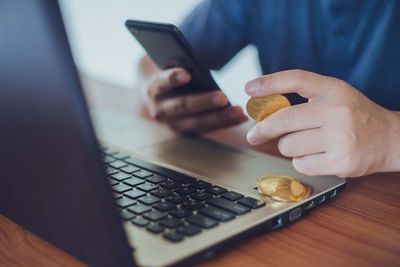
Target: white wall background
column 105, row 50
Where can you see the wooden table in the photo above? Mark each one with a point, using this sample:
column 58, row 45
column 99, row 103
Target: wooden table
column 359, row 228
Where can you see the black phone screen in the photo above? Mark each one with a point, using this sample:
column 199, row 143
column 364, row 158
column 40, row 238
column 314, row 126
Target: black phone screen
column 168, row 48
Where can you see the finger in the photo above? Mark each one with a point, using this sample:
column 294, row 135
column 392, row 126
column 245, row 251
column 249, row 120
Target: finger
column 287, row 120
column 305, row 83
column 166, row 80
column 231, row 115
column 302, row 143
column 189, row 104
column 312, row 165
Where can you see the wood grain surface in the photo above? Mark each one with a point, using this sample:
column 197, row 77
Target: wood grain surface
column 361, row 227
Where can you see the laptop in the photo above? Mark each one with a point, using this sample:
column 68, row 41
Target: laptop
column 112, row 189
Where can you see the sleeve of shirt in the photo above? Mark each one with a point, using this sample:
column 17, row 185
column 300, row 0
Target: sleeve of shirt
column 216, row 29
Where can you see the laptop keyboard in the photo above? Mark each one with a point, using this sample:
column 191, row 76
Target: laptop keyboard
column 168, row 203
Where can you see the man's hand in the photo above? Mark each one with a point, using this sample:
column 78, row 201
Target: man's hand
column 338, row 132
column 189, row 113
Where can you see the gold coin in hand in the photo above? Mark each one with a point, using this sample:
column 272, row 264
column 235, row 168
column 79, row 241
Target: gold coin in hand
column 261, row 107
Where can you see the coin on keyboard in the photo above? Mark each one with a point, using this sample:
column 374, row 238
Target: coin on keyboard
column 261, row 107
column 282, row 187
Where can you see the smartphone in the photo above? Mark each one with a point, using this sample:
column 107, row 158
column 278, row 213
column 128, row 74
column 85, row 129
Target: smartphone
column 168, row 48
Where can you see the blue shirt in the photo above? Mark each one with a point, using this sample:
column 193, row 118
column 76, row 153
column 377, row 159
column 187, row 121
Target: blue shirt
column 357, row 41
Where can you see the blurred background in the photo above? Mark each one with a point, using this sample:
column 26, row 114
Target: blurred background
column 104, row 50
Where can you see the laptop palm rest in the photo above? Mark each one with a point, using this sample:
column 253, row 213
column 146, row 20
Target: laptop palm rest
column 198, row 155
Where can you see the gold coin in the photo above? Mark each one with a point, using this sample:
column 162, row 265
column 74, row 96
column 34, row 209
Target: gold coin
column 297, row 188
column 282, row 187
column 261, row 107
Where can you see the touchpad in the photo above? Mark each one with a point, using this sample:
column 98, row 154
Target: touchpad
column 198, row 155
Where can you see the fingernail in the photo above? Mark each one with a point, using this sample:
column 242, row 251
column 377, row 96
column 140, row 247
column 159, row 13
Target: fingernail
column 234, row 114
column 182, row 77
column 253, row 87
column 252, row 136
column 219, row 100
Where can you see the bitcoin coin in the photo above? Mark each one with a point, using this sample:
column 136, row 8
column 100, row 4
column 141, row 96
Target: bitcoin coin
column 282, row 187
column 261, row 107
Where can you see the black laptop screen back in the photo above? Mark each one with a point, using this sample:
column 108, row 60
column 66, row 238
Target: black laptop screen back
column 51, row 177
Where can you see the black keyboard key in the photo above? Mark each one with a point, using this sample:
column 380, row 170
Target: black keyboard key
column 130, row 169
column 126, row 215
column 109, row 151
column 120, row 176
column 156, row 179
column 216, row 190
column 154, row 215
column 231, row 195
column 164, row 206
column 111, row 171
column 147, row 187
column 149, row 199
column 142, row 174
column 118, row 164
column 218, row 214
column 182, row 179
column 108, row 159
column 189, row 230
column 155, row 228
column 185, row 190
column 202, row 185
column 130, row 160
column 121, row 188
column 135, row 193
column 161, row 192
column 251, row 202
column 200, row 196
column 228, row 205
column 125, row 202
column 170, row 184
column 193, row 204
column 173, row 236
column 139, row 209
column 133, row 181
column 112, row 182
column 140, row 221
column 176, row 198
column 181, row 212
column 120, row 155
column 202, row 221
column 171, row 222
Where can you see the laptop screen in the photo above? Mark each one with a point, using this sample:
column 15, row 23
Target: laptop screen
column 52, row 181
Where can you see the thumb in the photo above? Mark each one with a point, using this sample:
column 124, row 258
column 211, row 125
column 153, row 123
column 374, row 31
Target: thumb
column 305, row 83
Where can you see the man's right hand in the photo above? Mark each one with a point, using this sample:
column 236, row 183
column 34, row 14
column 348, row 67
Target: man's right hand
column 188, row 113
